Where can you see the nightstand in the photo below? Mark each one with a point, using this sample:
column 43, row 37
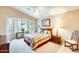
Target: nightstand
column 56, row 39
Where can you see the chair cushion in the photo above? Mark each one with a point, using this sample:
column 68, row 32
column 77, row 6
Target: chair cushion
column 71, row 41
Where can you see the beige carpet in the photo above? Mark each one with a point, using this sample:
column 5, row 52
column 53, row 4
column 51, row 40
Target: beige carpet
column 53, row 48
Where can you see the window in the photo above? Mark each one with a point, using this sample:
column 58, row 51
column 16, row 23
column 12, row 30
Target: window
column 14, row 25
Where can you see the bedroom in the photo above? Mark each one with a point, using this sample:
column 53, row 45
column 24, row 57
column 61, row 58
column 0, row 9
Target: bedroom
column 59, row 22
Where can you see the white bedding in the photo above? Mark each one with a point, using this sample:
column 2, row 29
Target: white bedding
column 31, row 35
column 19, row 46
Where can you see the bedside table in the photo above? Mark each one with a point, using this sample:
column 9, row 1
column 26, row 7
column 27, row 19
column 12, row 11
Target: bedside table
column 56, row 39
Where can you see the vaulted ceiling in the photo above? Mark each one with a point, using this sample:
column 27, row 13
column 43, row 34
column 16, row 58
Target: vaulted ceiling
column 43, row 11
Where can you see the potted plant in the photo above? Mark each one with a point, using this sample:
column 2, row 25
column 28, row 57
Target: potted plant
column 22, row 29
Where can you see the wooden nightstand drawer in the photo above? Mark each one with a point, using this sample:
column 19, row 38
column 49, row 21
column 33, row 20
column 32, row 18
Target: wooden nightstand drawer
column 56, row 39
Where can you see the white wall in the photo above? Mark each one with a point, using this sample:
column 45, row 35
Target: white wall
column 68, row 23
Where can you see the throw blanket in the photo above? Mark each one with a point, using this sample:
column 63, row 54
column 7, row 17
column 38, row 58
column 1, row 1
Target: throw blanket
column 39, row 40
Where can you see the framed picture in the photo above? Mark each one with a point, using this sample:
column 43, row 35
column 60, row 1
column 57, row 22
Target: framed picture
column 46, row 22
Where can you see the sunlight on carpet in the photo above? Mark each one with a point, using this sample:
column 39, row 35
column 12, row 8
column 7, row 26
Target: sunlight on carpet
column 53, row 48
column 48, row 48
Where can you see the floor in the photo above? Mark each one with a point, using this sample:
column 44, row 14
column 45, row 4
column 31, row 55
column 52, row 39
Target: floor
column 53, row 48
column 21, row 47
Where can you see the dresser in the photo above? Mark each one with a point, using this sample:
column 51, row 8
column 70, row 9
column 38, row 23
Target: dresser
column 4, row 46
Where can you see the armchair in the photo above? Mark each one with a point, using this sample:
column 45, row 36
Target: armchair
column 74, row 40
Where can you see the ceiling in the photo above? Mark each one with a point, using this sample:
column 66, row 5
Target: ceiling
column 41, row 12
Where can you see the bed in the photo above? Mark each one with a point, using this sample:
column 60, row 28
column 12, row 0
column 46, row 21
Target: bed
column 36, row 39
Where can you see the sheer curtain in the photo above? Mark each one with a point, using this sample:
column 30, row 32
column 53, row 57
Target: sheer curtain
column 17, row 26
column 31, row 26
column 9, row 29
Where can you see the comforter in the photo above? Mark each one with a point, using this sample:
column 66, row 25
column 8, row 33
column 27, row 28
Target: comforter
column 38, row 40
